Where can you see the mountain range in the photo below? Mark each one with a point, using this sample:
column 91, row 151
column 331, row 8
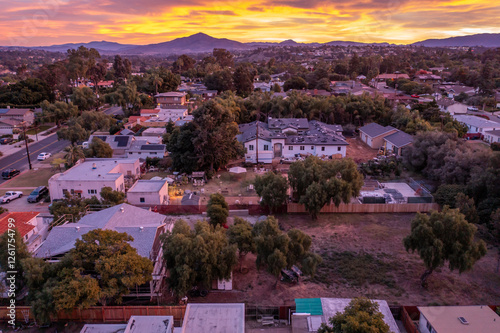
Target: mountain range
column 201, row 42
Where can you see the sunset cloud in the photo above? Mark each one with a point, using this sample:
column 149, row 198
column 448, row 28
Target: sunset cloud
column 45, row 22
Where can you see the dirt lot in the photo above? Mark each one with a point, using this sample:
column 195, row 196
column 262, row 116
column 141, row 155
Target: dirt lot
column 364, row 256
column 359, row 151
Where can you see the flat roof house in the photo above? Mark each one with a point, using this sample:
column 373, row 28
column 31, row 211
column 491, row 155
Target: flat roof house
column 214, row 318
column 458, row 319
column 312, row 312
column 148, row 192
column 171, row 98
column 87, row 178
column 373, row 134
column 136, row 324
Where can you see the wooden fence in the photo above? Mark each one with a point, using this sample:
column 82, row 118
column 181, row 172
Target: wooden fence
column 408, row 314
column 368, row 208
column 101, row 314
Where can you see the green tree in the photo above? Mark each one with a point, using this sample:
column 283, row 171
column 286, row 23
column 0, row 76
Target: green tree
column 73, row 154
column 219, row 80
column 361, row 315
column 183, row 63
column 197, row 257
column 467, row 207
column 17, row 249
column 181, row 148
column 99, row 149
column 73, row 133
column 316, row 182
column 111, row 197
column 296, row 83
column 272, row 188
column 223, row 57
column 277, row 250
column 444, row 237
column 446, row 194
column 240, row 233
column 59, row 111
column 217, row 209
column 243, row 77
column 84, row 98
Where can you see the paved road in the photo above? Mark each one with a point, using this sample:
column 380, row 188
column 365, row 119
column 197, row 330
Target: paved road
column 19, row 160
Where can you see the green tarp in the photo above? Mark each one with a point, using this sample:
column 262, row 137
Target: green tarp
column 309, row 305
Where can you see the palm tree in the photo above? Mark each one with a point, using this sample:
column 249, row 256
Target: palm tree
column 74, row 153
column 157, row 80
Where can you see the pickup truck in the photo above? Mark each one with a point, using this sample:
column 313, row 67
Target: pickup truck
column 10, row 195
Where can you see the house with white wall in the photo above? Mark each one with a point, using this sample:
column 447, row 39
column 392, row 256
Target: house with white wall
column 148, row 192
column 28, row 225
column 492, row 136
column 287, row 138
column 86, row 179
column 373, row 134
column 129, row 146
column 458, row 319
column 477, row 124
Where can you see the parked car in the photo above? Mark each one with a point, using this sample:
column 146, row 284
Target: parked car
column 5, row 141
column 43, row 156
column 38, row 194
column 415, row 96
column 472, row 108
column 9, row 173
column 10, row 195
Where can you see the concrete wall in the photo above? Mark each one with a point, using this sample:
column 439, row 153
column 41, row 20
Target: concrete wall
column 150, row 198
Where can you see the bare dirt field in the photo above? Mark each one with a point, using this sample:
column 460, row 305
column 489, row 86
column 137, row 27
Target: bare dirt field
column 363, row 255
column 359, row 151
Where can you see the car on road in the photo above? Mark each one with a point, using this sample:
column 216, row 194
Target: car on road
column 11, row 195
column 5, row 141
column 472, row 108
column 415, row 96
column 38, row 194
column 9, row 173
column 43, row 156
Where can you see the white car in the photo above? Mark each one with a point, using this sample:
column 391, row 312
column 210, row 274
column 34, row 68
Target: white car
column 43, row 156
column 10, row 195
column 472, row 108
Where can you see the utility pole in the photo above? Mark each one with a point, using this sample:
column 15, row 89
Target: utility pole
column 26, row 143
column 257, row 140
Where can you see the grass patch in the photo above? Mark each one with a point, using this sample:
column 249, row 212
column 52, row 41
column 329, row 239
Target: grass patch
column 31, row 178
column 40, row 129
column 355, row 269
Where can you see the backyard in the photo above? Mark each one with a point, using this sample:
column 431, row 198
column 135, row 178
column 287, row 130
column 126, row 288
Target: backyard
column 363, row 255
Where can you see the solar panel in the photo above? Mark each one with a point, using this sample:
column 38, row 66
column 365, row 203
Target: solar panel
column 390, row 190
column 152, row 147
column 122, row 140
column 102, row 137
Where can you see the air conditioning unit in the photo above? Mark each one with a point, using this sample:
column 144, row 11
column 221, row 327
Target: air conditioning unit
column 463, row 320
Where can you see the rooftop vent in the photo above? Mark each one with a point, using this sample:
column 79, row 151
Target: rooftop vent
column 77, row 229
column 94, row 166
column 141, row 228
column 463, row 320
column 122, row 209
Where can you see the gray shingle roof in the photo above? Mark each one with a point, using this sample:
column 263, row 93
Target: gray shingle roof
column 373, row 129
column 399, row 139
column 121, row 218
column 495, row 132
column 477, row 121
column 282, row 123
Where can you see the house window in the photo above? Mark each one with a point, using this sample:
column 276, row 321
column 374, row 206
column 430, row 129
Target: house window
column 338, row 148
column 290, row 147
column 266, row 147
column 302, row 148
column 152, row 153
column 312, row 147
column 92, row 191
column 142, row 200
column 322, row 148
column 64, row 191
column 250, row 147
column 26, row 237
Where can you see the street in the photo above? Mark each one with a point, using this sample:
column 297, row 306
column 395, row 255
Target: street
column 19, row 160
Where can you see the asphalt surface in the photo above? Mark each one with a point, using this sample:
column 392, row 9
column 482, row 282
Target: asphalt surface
column 19, row 160
column 114, row 111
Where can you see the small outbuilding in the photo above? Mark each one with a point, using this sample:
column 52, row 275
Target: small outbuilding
column 148, row 192
column 214, row 318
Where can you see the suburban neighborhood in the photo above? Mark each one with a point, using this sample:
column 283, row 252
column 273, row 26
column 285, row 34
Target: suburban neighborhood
column 219, row 186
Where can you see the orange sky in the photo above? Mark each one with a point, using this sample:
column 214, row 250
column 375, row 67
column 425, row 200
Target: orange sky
column 47, row 22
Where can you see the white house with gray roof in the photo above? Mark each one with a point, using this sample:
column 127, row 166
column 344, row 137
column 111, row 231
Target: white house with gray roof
column 396, row 142
column 133, row 146
column 288, row 137
column 87, row 178
column 477, row 124
column 492, row 136
column 144, row 226
column 148, row 192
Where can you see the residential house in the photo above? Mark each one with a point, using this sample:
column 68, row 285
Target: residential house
column 21, row 115
column 312, row 312
column 453, row 90
column 133, row 146
column 136, row 324
column 396, row 76
column 205, row 94
column 428, row 78
column 477, row 124
column 373, row 134
column 492, row 136
column 190, row 199
column 458, row 319
column 452, row 107
column 28, row 224
column 171, row 98
column 86, row 179
column 148, row 192
column 397, row 142
column 144, row 226
column 154, row 132
column 214, row 318
column 287, row 137
column 134, row 121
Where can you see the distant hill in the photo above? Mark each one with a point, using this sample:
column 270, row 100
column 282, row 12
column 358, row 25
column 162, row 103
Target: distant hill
column 486, row 40
column 197, row 43
column 201, row 42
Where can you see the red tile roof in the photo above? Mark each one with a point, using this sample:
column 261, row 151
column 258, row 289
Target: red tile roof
column 21, row 220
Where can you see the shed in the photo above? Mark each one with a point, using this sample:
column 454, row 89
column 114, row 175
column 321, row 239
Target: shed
column 148, row 192
column 214, row 318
